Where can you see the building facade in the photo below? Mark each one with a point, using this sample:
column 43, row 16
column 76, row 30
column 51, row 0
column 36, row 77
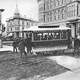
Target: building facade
column 61, row 13
column 17, row 24
column 58, row 10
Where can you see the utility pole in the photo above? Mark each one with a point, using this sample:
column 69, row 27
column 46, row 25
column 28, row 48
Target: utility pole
column 1, row 10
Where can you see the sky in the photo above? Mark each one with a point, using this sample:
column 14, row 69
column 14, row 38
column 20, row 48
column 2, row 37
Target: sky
column 26, row 7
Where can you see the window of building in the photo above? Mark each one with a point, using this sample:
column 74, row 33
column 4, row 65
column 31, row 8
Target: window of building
column 61, row 2
column 74, row 10
column 73, row 0
column 51, row 4
column 46, row 5
column 63, row 13
column 51, row 16
column 22, row 22
column 55, row 15
column 59, row 14
column 68, row 1
column 56, row 2
column 78, row 30
column 10, row 23
column 17, row 28
column 27, row 23
column 41, row 17
column 18, row 22
column 64, row 2
column 8, row 29
column 54, row 5
column 45, row 17
column 70, row 11
column 11, row 29
column 41, row 7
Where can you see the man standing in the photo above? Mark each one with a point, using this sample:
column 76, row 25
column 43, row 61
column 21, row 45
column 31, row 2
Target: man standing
column 14, row 46
column 76, row 43
column 22, row 47
column 29, row 45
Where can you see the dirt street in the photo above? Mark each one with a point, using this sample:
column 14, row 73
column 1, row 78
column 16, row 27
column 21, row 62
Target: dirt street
column 29, row 68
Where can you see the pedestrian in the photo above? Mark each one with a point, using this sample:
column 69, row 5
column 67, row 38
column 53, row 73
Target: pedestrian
column 76, row 43
column 14, row 46
column 29, row 45
column 22, row 48
column 79, row 41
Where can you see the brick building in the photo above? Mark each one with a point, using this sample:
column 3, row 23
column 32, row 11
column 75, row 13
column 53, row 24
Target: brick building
column 61, row 13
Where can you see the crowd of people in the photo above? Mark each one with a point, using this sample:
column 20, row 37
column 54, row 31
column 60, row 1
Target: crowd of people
column 22, row 44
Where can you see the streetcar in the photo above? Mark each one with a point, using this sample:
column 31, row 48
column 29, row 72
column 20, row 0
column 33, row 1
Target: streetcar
column 48, row 39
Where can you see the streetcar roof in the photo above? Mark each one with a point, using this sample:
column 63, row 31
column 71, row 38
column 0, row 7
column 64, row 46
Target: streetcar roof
column 36, row 28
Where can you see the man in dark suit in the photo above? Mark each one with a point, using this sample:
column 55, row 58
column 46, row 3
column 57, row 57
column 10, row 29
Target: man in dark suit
column 14, row 46
column 28, row 45
column 22, row 48
column 76, row 43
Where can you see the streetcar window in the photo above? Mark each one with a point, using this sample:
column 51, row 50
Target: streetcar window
column 56, row 35
column 44, row 36
column 37, row 36
column 50, row 36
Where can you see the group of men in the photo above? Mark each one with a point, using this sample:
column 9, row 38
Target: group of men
column 22, row 44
